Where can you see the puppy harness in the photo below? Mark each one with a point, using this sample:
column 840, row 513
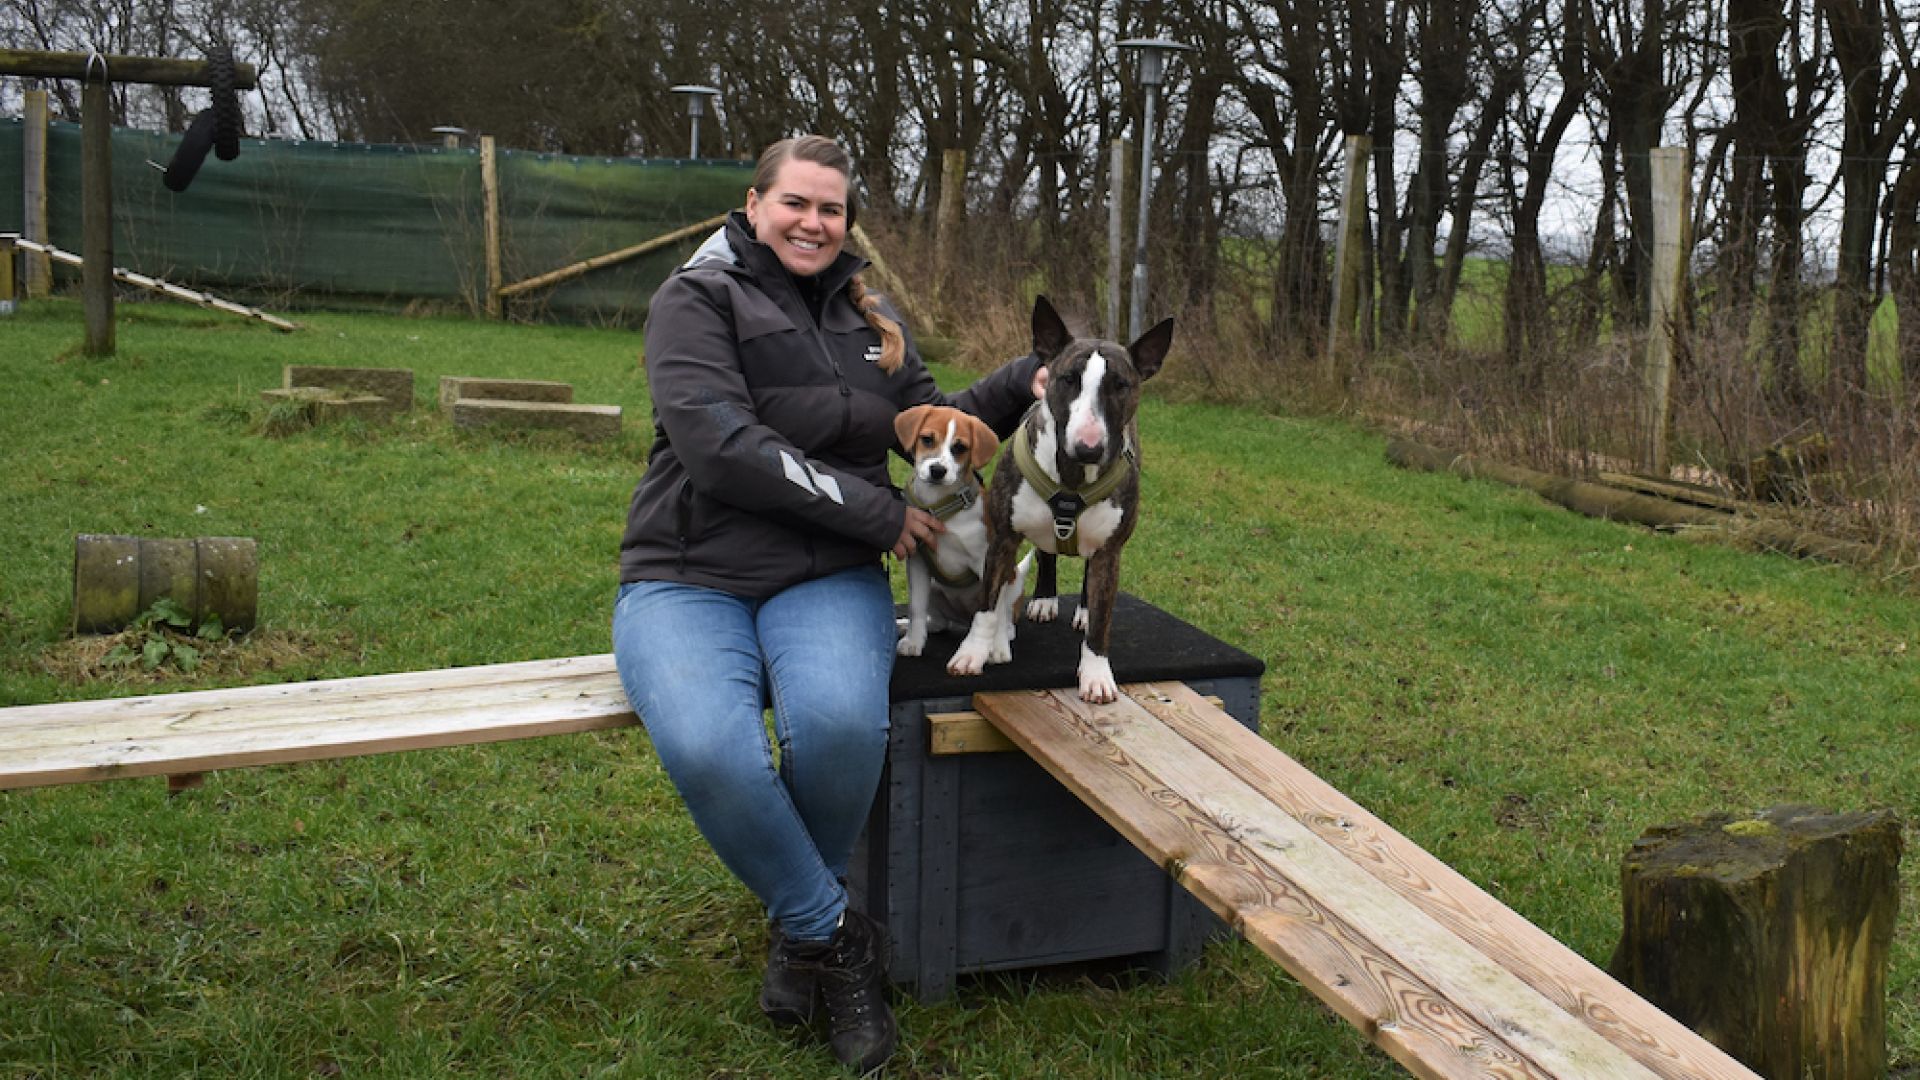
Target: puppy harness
column 961, row 500
column 1067, row 503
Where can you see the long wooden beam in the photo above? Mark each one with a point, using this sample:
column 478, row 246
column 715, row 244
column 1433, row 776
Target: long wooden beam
column 568, row 273
column 152, row 284
column 157, row 71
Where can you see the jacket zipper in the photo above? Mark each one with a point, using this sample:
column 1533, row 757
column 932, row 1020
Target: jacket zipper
column 839, row 377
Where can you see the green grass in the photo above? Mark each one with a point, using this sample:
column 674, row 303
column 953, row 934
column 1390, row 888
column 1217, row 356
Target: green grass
column 1518, row 689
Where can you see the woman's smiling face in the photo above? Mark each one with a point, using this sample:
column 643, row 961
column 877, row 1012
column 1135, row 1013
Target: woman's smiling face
column 802, row 216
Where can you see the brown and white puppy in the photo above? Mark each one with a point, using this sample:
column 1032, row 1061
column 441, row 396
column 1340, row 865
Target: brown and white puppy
column 948, row 448
column 1072, row 487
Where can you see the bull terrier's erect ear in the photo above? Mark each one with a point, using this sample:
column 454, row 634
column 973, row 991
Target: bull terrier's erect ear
column 1151, row 349
column 1050, row 336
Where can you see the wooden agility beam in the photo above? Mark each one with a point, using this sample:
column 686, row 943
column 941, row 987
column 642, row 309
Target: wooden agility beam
column 568, row 273
column 157, row 71
column 164, row 288
column 96, row 71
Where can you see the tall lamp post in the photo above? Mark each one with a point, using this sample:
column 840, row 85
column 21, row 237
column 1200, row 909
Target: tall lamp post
column 1153, row 60
column 696, row 96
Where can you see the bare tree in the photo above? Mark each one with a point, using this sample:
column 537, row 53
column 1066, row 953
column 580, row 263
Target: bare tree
column 1876, row 108
column 1535, row 132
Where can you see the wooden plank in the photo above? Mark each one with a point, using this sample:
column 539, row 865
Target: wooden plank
column 367, row 694
column 1391, row 1003
column 1533, row 1025
column 1568, row 979
column 211, row 729
column 964, row 733
column 366, row 716
column 967, row 732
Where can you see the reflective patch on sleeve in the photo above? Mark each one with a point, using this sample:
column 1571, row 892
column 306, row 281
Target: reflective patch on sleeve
column 812, row 480
column 798, row 474
column 828, row 486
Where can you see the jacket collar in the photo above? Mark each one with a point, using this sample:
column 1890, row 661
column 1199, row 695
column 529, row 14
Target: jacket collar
column 735, row 243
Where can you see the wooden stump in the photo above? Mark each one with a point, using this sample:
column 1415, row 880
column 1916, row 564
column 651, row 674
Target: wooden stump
column 1768, row 934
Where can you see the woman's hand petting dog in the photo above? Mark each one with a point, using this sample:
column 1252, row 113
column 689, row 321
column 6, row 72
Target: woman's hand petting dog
column 919, row 528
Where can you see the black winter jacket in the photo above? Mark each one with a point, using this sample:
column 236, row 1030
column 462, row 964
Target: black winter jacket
column 772, row 425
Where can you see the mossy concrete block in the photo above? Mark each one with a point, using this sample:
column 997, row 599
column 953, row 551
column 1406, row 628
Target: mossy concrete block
column 455, row 387
column 393, row 384
column 116, row 578
column 326, row 406
column 591, row 423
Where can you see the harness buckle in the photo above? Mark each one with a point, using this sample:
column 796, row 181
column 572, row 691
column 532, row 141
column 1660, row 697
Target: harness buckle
column 1067, row 506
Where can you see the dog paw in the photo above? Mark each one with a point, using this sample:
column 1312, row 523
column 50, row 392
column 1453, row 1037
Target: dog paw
column 1096, row 679
column 1080, row 618
column 967, row 660
column 1043, row 609
column 1002, row 651
column 911, row 645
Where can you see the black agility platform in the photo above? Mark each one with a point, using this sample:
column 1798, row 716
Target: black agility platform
column 983, row 862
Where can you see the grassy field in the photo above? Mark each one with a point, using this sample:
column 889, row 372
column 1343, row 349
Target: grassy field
column 1518, row 689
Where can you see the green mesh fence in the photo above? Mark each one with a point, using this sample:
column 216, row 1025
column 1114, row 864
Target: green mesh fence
column 312, row 224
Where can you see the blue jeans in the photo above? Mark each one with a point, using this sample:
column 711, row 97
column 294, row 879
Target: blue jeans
column 697, row 665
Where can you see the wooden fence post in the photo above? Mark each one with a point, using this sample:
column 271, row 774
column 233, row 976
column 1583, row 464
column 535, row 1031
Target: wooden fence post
column 953, row 209
column 1348, row 246
column 1672, row 175
column 490, row 194
column 8, row 286
column 39, row 268
column 1116, row 233
column 96, row 212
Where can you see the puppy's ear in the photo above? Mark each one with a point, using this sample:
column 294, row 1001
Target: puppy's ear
column 984, row 442
column 906, row 425
column 1151, row 350
column 1050, row 336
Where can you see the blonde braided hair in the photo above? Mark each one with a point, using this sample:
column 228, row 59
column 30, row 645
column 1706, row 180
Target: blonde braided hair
column 893, row 343
column 820, row 150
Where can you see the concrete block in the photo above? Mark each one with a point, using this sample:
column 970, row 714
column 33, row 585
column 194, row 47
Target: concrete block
column 455, row 387
column 591, row 423
column 326, row 405
column 394, row 384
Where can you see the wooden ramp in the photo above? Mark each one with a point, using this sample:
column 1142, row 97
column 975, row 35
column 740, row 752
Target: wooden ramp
column 203, row 730
column 1441, row 976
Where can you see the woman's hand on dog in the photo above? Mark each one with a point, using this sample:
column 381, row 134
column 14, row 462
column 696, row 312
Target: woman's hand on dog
column 919, row 528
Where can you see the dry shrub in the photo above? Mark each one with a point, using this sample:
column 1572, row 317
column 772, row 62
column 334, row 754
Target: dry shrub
column 84, row 660
column 1844, row 461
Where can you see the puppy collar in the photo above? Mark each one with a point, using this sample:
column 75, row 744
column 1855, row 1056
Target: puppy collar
column 955, row 503
column 1067, row 503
